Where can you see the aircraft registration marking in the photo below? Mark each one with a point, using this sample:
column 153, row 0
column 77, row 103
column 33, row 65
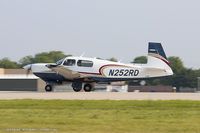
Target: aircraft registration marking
column 119, row 71
column 123, row 72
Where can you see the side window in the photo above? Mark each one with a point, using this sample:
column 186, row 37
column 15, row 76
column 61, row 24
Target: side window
column 69, row 62
column 60, row 62
column 84, row 63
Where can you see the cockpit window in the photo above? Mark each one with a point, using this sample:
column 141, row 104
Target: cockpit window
column 84, row 63
column 59, row 62
column 69, row 62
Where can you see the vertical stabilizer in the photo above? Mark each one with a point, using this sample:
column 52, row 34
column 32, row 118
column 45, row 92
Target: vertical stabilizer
column 158, row 59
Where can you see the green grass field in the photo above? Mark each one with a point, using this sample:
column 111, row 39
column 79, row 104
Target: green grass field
column 99, row 116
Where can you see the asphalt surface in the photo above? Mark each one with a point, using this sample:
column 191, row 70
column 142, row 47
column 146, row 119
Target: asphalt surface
column 98, row 96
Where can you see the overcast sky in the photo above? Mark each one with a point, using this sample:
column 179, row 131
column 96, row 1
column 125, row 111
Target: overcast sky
column 100, row 28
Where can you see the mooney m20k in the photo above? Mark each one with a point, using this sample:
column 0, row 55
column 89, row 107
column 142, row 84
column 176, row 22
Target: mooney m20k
column 85, row 72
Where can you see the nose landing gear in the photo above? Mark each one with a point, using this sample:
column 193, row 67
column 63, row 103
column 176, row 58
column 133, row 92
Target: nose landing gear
column 48, row 88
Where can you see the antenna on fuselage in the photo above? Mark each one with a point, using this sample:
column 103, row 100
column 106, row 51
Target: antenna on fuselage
column 120, row 61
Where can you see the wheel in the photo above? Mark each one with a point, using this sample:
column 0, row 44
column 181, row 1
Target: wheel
column 87, row 87
column 77, row 89
column 48, row 88
column 77, row 86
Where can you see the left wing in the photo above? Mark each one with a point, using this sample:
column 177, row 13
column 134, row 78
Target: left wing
column 67, row 73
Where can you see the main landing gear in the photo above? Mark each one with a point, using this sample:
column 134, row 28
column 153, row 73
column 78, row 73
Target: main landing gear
column 87, row 87
column 77, row 86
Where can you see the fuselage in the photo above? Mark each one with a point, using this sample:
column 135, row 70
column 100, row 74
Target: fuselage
column 97, row 70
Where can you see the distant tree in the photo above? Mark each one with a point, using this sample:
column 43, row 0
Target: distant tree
column 99, row 58
column 57, row 55
column 44, row 57
column 140, row 60
column 182, row 77
column 176, row 64
column 26, row 60
column 7, row 63
column 179, row 78
column 113, row 59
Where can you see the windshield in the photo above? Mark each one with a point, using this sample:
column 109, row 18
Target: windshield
column 60, row 62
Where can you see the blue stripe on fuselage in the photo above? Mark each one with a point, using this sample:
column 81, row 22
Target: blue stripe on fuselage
column 99, row 79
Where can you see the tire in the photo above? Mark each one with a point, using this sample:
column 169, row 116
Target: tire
column 77, row 89
column 87, row 87
column 48, row 88
column 77, row 86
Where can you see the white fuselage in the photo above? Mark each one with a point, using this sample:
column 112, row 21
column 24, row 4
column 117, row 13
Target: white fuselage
column 108, row 69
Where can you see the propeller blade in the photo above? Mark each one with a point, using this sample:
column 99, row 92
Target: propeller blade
column 28, row 69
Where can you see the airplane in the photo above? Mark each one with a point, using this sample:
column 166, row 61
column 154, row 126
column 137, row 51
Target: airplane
column 84, row 72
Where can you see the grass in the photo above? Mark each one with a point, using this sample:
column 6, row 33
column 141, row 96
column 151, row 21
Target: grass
column 62, row 116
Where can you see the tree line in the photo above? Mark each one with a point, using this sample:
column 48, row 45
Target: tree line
column 183, row 77
column 44, row 57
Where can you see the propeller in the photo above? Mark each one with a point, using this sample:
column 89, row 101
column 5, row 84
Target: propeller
column 28, row 69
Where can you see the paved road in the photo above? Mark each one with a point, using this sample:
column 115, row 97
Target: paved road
column 99, row 96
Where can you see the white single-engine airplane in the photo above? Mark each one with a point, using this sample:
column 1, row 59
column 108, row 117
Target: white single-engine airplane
column 85, row 72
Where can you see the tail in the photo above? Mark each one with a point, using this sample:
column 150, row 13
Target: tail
column 157, row 59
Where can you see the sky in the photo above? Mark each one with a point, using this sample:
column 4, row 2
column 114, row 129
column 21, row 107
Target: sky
column 100, row 28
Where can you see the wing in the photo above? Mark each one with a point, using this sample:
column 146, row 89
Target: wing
column 69, row 74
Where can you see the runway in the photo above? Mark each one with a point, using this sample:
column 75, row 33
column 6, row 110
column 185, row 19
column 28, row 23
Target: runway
column 98, row 96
